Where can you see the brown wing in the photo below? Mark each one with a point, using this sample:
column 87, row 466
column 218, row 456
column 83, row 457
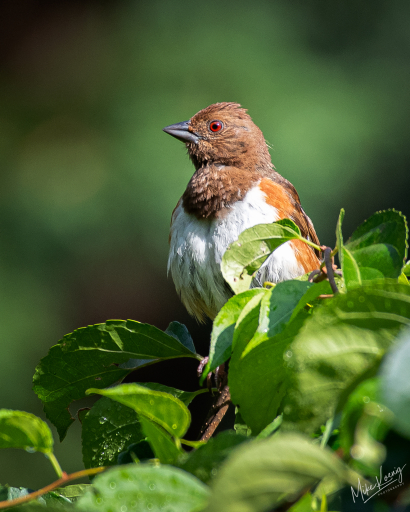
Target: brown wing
column 281, row 194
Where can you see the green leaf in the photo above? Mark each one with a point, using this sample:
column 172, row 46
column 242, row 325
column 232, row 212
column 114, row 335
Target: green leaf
column 403, row 279
column 186, row 397
column 312, row 293
column 205, row 461
column 303, row 505
column 224, row 326
column 244, row 257
column 339, row 236
column 406, row 269
column 107, row 429
column 364, row 423
column 395, row 383
column 137, row 451
column 240, row 426
column 342, row 340
column 261, row 361
column 20, row 429
column 259, row 377
column 351, row 270
column 364, row 393
column 181, row 333
column 145, row 487
column 89, row 357
column 376, row 249
column 160, row 441
column 163, row 408
column 73, row 492
column 271, row 428
column 277, row 307
column 53, row 501
column 8, row 493
column 258, row 476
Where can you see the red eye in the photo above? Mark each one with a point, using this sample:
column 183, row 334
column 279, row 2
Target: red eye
column 215, row 126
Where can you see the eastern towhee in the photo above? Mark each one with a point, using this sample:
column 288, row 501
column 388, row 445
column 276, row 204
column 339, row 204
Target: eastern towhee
column 235, row 186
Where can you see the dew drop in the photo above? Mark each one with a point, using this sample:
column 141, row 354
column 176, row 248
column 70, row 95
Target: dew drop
column 361, row 298
column 124, row 508
column 151, row 487
column 288, row 354
column 214, row 472
column 99, row 501
column 239, row 245
column 113, row 485
column 150, row 506
column 350, row 304
column 151, row 402
column 30, row 449
column 103, row 420
column 366, row 399
column 174, row 426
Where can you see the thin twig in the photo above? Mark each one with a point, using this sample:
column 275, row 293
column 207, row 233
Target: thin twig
column 313, row 274
column 332, row 254
column 58, row 483
column 329, row 269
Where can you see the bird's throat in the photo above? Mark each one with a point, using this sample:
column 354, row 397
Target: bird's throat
column 213, row 189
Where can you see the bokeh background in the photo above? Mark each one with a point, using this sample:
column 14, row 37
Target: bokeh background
column 88, row 180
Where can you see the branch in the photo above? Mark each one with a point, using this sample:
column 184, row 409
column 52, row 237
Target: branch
column 58, row 483
column 327, row 269
column 221, row 405
column 216, row 414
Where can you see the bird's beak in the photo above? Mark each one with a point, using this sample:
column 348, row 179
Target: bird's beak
column 180, row 131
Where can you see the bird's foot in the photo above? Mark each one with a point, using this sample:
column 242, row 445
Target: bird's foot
column 220, row 375
column 199, row 371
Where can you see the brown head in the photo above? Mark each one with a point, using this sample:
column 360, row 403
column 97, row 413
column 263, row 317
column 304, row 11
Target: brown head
column 223, row 134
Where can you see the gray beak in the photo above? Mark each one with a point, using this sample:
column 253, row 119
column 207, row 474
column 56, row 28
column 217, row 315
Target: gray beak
column 180, row 132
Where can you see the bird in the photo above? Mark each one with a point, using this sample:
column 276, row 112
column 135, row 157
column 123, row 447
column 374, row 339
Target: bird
column 234, row 187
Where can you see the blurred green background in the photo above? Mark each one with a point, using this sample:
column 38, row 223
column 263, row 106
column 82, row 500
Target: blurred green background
column 88, row 180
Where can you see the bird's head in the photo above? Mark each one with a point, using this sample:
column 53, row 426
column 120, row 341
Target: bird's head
column 223, row 134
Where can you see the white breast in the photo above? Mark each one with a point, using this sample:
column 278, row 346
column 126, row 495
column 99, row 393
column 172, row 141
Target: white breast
column 197, row 247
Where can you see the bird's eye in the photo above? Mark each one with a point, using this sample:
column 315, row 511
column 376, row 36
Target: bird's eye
column 215, row 126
